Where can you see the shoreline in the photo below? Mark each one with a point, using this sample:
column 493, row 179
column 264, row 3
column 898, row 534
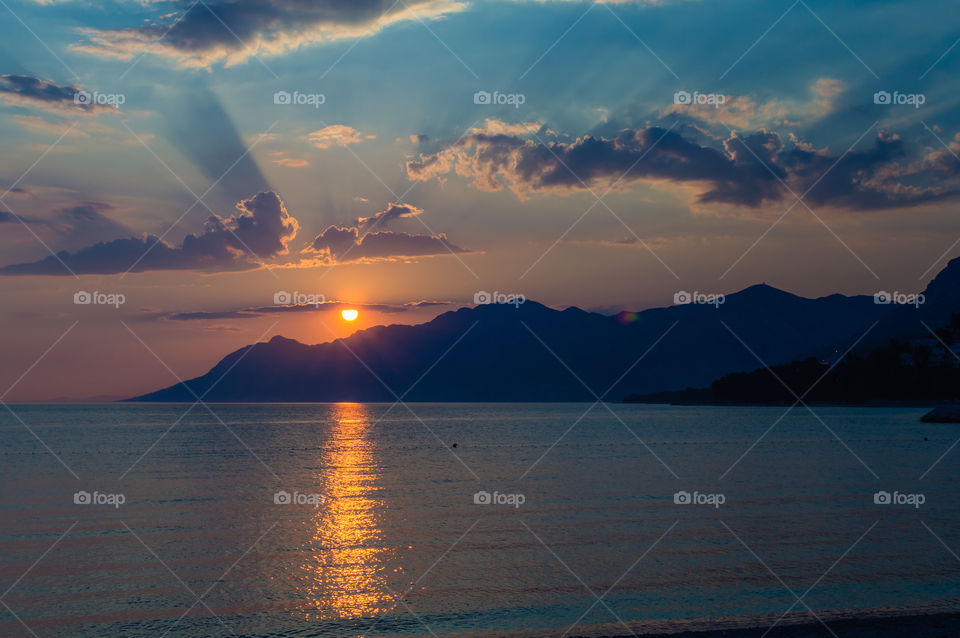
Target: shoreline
column 926, row 405
column 934, row 625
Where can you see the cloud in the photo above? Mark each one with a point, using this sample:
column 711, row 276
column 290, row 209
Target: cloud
column 290, row 162
column 279, row 157
column 6, row 217
column 384, row 217
column 26, row 90
column 527, row 166
column 76, row 224
column 613, row 243
column 261, row 229
column 344, row 244
column 336, row 135
column 233, row 31
column 328, row 306
column 738, row 111
column 746, row 170
column 499, row 127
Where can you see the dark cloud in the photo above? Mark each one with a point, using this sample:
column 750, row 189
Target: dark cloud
column 748, row 170
column 875, row 178
column 260, row 229
column 232, row 31
column 26, row 90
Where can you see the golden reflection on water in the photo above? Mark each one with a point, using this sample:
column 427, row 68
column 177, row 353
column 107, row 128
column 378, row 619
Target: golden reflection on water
column 348, row 563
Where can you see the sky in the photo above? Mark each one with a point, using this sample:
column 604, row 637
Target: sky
column 204, row 172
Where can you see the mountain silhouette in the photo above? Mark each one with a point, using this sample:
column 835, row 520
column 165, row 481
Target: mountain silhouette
column 535, row 353
column 921, row 370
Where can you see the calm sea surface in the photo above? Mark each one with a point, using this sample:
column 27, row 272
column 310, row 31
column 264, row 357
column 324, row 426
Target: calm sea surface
column 184, row 534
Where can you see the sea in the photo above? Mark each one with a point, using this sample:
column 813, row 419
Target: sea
column 470, row 519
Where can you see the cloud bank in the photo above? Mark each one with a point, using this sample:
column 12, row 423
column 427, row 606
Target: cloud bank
column 261, row 229
column 743, row 169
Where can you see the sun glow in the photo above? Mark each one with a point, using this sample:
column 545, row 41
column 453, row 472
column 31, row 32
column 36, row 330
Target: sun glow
column 349, row 314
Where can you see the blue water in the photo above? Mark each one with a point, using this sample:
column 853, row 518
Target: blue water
column 387, row 538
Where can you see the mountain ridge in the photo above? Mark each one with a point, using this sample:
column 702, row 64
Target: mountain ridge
column 535, row 353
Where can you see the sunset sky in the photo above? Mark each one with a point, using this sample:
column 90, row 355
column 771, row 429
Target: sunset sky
column 149, row 151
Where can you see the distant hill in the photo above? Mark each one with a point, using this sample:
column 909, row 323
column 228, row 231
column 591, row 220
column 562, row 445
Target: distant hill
column 923, row 371
column 499, row 356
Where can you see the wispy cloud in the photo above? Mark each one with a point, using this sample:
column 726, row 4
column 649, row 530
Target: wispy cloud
column 337, row 135
column 253, row 312
column 62, row 99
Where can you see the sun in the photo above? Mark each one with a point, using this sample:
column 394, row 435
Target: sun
column 349, row 314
